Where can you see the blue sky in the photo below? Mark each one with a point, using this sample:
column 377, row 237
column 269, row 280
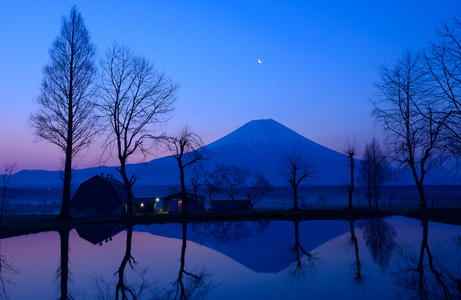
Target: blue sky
column 319, row 62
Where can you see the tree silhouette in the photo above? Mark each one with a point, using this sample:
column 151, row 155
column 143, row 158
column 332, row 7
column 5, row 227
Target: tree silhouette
column 380, row 240
column 304, row 262
column 196, row 180
column 124, row 290
column 353, row 242
column 212, row 182
column 260, row 187
column 63, row 271
column 224, row 232
column 66, row 108
column 374, row 170
column 121, row 288
column 421, row 277
column 232, row 178
column 351, row 149
column 443, row 66
column 412, row 120
column 8, row 191
column 295, row 168
column 187, row 148
column 189, row 285
column 135, row 98
column 6, row 269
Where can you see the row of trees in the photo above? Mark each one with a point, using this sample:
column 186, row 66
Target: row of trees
column 418, row 105
column 129, row 97
column 233, row 181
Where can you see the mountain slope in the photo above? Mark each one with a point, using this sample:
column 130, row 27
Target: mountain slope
column 258, row 145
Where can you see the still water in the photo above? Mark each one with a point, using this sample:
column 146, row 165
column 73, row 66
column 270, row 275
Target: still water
column 392, row 258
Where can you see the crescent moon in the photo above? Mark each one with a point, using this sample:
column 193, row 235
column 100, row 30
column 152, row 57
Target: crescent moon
column 259, row 61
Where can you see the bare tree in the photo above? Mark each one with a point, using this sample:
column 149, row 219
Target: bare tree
column 260, row 187
column 196, row 180
column 323, row 199
column 443, row 62
column 233, row 178
column 134, row 98
column 351, row 149
column 187, row 148
column 212, row 182
column 66, row 108
column 8, row 191
column 295, row 168
column 405, row 109
column 374, row 170
column 365, row 178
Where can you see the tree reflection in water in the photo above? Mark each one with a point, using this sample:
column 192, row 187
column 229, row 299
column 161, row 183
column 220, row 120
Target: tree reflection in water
column 357, row 277
column 189, row 284
column 7, row 269
column 223, row 232
column 63, row 270
column 140, row 289
column 305, row 263
column 426, row 277
column 379, row 237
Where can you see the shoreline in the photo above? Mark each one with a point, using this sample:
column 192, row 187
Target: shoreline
column 17, row 225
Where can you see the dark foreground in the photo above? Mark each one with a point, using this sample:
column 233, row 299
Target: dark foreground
column 29, row 224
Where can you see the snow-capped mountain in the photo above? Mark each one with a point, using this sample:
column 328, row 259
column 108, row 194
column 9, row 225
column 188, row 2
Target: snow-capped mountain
column 258, row 146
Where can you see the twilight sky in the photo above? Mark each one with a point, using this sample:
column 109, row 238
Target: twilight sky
column 318, row 59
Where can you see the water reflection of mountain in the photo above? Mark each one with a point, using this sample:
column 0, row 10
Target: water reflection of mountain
column 264, row 247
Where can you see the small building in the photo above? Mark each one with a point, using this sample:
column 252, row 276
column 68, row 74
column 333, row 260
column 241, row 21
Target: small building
column 230, row 205
column 175, row 203
column 100, row 196
column 145, row 205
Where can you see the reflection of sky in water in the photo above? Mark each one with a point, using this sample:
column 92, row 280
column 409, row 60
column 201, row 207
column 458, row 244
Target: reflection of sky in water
column 329, row 274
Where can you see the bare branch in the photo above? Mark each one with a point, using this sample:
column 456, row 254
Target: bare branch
column 134, row 99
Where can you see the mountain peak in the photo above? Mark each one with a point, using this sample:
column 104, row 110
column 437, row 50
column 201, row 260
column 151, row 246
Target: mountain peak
column 262, row 132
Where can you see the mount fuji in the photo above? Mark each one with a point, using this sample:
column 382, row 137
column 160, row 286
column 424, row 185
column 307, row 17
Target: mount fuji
column 258, row 146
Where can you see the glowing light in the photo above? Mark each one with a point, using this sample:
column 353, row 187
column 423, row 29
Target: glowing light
column 142, row 204
column 157, row 199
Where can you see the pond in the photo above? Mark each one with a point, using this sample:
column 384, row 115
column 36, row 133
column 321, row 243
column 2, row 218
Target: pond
column 392, row 258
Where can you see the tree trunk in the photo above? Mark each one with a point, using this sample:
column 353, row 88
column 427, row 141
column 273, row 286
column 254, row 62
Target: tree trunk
column 127, row 182
column 369, row 197
column 183, row 190
column 295, row 197
column 64, row 268
column 356, row 250
column 419, row 185
column 422, row 196
column 351, row 188
column 376, row 196
column 65, row 206
column 209, row 198
column 121, row 270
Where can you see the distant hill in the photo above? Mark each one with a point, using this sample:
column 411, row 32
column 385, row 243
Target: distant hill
column 257, row 145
